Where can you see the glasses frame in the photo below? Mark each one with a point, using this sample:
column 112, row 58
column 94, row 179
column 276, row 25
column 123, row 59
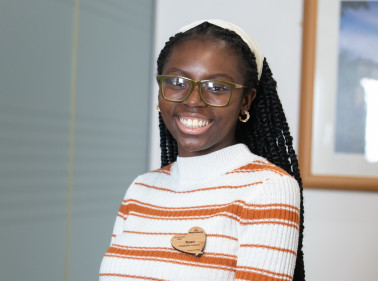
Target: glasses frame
column 194, row 83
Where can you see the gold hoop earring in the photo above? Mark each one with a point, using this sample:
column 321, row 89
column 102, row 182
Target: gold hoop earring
column 246, row 118
column 157, row 107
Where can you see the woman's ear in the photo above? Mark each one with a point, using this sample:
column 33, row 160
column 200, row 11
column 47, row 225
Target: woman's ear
column 248, row 97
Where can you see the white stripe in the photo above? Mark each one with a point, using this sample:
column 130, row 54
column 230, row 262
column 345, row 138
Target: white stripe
column 122, row 215
column 162, row 270
column 206, row 265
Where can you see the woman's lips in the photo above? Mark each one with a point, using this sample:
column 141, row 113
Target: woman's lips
column 193, row 125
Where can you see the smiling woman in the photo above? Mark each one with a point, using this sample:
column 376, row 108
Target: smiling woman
column 228, row 196
column 202, row 58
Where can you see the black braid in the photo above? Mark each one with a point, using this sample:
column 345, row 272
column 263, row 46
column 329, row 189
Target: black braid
column 266, row 134
column 168, row 144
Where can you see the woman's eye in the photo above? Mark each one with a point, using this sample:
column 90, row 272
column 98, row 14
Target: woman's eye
column 217, row 88
column 177, row 82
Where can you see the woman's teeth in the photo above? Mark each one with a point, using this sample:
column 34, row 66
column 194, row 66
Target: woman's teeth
column 193, row 123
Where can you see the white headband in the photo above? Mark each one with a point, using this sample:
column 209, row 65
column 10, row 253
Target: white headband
column 243, row 35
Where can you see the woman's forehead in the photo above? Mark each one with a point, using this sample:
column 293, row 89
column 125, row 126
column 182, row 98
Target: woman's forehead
column 208, row 39
column 204, row 56
column 204, row 48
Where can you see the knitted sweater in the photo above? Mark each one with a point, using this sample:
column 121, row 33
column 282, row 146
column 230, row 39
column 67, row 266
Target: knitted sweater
column 248, row 207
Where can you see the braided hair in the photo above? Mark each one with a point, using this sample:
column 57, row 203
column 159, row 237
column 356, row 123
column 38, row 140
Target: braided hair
column 266, row 134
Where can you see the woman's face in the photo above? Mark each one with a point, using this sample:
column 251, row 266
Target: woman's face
column 202, row 60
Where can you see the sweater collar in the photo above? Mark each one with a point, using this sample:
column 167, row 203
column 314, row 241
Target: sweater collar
column 205, row 167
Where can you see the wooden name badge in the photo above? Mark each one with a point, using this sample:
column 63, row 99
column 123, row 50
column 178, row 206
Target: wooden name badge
column 191, row 243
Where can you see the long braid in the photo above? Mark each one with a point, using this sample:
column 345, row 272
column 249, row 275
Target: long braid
column 163, row 142
column 269, row 126
column 168, row 144
column 267, row 133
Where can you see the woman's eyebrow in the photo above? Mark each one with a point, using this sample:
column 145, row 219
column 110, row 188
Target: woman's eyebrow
column 217, row 76
column 178, row 71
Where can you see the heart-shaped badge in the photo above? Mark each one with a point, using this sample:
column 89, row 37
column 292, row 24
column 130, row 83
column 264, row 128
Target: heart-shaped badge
column 191, row 243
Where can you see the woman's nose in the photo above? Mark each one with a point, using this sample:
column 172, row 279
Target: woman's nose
column 194, row 98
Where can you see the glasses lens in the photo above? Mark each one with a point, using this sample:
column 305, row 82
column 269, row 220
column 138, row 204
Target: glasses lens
column 216, row 92
column 175, row 88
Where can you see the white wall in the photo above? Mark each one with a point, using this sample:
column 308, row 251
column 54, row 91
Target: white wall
column 340, row 227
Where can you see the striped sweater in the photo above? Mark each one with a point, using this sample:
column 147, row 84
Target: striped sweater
column 248, row 208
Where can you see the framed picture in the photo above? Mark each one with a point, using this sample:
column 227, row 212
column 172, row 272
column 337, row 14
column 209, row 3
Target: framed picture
column 338, row 145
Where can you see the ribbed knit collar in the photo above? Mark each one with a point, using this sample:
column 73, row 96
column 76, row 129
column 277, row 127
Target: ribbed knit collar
column 202, row 168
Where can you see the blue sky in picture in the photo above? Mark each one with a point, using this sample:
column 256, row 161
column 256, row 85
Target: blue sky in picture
column 360, row 26
column 358, row 60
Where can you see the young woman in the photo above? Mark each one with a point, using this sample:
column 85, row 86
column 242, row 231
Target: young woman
column 227, row 202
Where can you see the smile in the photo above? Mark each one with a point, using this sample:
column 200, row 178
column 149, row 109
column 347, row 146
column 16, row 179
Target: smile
column 193, row 123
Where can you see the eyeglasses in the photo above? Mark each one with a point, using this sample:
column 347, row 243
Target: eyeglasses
column 212, row 92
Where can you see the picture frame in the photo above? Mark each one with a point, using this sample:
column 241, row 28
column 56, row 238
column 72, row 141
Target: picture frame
column 323, row 166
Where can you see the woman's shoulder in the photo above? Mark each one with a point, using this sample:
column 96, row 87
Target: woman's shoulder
column 274, row 183
column 155, row 176
column 258, row 165
column 163, row 170
column 156, row 173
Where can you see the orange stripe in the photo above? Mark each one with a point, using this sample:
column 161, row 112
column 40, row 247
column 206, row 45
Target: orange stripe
column 257, row 276
column 236, row 202
column 223, row 215
column 167, row 249
column 131, row 276
column 165, row 170
column 165, row 252
column 162, row 172
column 233, row 211
column 201, row 189
column 171, row 234
column 123, row 216
column 124, row 209
column 257, row 170
column 259, row 166
column 268, row 247
column 173, row 255
column 251, row 273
